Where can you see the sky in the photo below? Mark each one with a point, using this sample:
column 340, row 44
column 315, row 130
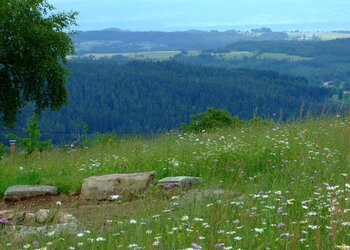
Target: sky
column 173, row 15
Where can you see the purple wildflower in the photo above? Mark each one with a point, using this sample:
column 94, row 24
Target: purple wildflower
column 218, row 246
column 196, row 246
column 170, row 185
column 35, row 243
column 285, row 235
column 4, row 220
column 281, row 224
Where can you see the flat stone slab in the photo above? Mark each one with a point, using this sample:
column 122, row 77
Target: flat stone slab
column 21, row 192
column 183, row 182
column 125, row 186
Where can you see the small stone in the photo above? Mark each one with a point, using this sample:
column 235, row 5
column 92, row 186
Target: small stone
column 21, row 192
column 182, row 182
column 29, row 218
column 66, row 218
column 42, row 215
column 9, row 214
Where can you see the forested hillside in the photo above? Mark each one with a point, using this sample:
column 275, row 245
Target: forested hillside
column 318, row 61
column 115, row 40
column 156, row 96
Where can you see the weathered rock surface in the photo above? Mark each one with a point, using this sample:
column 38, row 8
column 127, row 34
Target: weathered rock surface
column 43, row 215
column 20, row 192
column 128, row 186
column 179, row 182
column 28, row 218
column 64, row 218
column 9, row 214
column 50, row 230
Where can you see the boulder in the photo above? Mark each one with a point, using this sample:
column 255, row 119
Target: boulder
column 179, row 182
column 21, row 192
column 128, row 186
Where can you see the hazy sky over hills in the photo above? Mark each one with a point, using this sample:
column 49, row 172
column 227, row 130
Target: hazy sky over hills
column 170, row 15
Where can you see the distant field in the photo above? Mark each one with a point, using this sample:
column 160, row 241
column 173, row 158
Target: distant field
column 152, row 55
column 323, row 35
column 235, row 54
column 282, row 56
column 166, row 55
column 275, row 56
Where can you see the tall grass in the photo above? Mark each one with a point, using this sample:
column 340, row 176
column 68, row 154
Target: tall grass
column 293, row 179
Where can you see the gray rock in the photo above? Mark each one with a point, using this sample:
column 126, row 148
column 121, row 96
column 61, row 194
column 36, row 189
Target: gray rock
column 29, row 218
column 23, row 231
column 128, row 186
column 181, row 182
column 64, row 218
column 9, row 214
column 42, row 215
column 20, row 192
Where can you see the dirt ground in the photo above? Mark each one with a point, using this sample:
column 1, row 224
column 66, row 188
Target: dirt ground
column 87, row 212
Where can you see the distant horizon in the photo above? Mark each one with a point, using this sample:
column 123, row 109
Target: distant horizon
column 246, row 29
column 181, row 15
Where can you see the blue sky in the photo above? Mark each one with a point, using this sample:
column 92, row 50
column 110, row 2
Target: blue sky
column 170, row 15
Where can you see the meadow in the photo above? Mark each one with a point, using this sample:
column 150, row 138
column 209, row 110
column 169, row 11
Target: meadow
column 264, row 186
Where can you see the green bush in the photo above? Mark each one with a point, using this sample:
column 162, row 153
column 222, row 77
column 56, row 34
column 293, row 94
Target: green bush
column 32, row 142
column 210, row 120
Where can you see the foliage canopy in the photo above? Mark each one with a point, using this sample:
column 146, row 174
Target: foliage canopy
column 210, row 120
column 33, row 49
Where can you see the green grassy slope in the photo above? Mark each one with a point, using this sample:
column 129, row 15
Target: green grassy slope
column 294, row 180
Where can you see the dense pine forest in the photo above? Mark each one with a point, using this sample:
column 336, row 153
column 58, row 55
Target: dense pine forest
column 141, row 97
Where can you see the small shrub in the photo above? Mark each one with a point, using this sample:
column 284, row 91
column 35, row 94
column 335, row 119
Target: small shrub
column 32, row 142
column 210, row 120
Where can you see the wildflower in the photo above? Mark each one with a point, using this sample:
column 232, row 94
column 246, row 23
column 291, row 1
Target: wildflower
column 284, row 235
column 311, row 213
column 80, row 235
column 259, row 230
column 184, row 218
column 218, row 245
column 132, row 221
column 196, row 246
column 313, row 227
column 58, row 203
column 237, row 238
column 156, row 243
column 4, row 220
column 281, row 224
column 35, row 243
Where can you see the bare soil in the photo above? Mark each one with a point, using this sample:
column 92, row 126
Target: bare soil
column 87, row 212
